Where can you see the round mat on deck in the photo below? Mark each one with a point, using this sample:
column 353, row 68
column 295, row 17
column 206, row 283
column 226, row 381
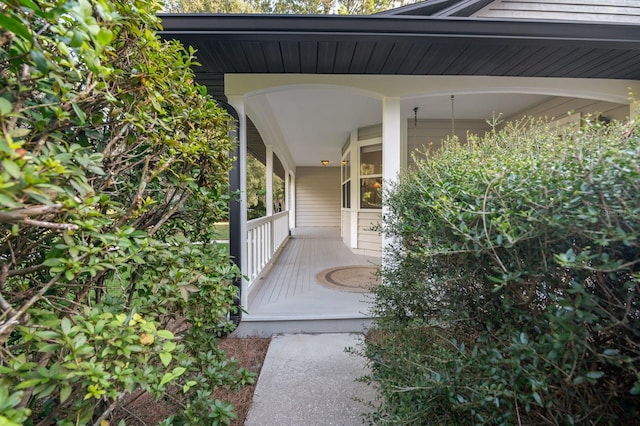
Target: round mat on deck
column 354, row 279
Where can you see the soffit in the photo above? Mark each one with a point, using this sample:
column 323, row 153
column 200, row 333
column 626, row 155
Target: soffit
column 407, row 45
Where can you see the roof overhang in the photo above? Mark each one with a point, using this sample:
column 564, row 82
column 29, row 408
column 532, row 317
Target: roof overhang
column 407, row 45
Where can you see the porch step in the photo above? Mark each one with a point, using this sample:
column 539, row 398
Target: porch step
column 269, row 326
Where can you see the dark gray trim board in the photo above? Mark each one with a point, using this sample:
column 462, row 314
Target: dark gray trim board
column 407, row 45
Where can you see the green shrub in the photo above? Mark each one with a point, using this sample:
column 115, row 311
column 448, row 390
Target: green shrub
column 511, row 295
column 113, row 173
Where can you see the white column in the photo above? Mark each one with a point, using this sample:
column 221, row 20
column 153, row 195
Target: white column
column 237, row 102
column 269, row 179
column 391, row 152
column 287, row 178
column 355, row 185
column 292, row 203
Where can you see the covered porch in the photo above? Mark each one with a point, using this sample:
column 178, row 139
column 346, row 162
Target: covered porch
column 332, row 213
column 342, row 104
column 287, row 296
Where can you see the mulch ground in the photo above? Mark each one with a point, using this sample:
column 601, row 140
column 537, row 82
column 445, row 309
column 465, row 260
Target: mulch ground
column 142, row 409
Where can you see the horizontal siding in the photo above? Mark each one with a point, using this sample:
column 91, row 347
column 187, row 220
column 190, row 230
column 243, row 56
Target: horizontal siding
column 427, row 135
column 566, row 10
column 559, row 107
column 370, row 132
column 318, row 196
column 368, row 239
column 346, row 228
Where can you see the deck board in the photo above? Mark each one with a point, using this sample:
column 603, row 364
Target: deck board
column 289, row 289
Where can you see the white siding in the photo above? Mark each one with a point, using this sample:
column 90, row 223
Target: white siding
column 427, row 135
column 566, row 10
column 318, row 196
column 370, row 132
column 369, row 241
column 346, row 227
column 559, row 107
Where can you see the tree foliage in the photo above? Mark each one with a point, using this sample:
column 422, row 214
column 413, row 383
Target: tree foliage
column 308, row 7
column 113, row 169
column 512, row 295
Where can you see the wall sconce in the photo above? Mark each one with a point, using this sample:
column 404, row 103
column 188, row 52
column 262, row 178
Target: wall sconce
column 324, row 163
column 344, row 162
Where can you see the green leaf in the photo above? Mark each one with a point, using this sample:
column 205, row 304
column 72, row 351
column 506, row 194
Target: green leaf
column 179, row 371
column 12, row 168
column 104, row 36
column 6, row 422
column 165, row 357
column 81, row 115
column 29, row 383
column 41, row 63
column 595, row 374
column 7, row 201
column 165, row 334
column 65, row 324
column 5, row 106
column 65, row 392
column 54, row 261
column 19, row 132
column 13, row 24
column 77, row 39
column 166, row 378
column 49, row 348
column 538, row 399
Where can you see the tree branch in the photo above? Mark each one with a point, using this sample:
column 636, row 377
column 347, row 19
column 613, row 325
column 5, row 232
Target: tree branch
column 7, row 327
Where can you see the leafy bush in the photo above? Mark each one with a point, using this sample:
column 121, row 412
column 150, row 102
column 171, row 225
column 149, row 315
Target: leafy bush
column 511, row 295
column 113, row 172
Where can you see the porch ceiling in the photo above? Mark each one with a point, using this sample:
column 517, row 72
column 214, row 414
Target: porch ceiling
column 317, row 122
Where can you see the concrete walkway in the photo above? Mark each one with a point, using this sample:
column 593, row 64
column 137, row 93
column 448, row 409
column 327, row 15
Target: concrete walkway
column 309, row 380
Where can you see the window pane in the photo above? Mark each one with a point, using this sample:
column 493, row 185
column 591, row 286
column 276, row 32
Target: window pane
column 371, row 160
column 346, row 195
column 346, row 170
column 370, row 193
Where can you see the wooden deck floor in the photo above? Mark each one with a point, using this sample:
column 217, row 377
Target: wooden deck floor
column 289, row 289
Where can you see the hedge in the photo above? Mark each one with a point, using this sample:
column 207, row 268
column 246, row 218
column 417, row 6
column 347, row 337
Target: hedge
column 511, row 292
column 113, row 173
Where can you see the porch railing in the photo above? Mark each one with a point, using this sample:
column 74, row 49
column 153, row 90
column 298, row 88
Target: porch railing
column 265, row 236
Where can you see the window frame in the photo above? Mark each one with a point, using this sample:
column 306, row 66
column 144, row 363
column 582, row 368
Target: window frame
column 362, row 144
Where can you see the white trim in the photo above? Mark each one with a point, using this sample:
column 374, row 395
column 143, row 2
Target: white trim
column 353, row 146
column 634, row 110
column 287, row 181
column 415, row 86
column 262, row 115
column 269, row 180
column 292, row 203
column 391, row 152
column 360, row 145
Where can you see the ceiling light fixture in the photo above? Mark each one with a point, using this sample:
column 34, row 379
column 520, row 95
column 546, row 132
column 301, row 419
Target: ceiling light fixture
column 324, row 163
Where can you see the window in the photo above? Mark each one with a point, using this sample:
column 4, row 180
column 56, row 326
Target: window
column 371, row 176
column 346, row 181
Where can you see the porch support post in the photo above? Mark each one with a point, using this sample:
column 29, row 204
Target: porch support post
column 354, row 201
column 240, row 240
column 286, row 189
column 269, row 180
column 291, row 203
column 391, row 153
